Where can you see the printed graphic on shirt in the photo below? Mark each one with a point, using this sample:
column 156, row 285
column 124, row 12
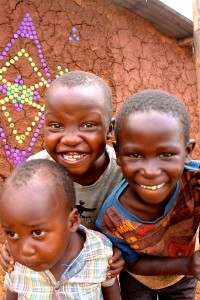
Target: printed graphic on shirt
column 82, row 210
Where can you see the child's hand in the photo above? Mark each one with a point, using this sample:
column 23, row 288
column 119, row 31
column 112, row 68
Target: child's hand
column 116, row 263
column 6, row 261
column 195, row 264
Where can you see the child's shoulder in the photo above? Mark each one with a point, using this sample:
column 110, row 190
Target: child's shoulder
column 194, row 165
column 96, row 242
column 110, row 150
column 191, row 172
column 191, row 177
column 42, row 154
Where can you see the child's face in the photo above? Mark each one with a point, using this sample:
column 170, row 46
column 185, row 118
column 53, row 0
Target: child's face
column 37, row 228
column 76, row 128
column 152, row 154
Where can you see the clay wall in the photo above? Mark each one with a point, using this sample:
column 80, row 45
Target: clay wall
column 42, row 39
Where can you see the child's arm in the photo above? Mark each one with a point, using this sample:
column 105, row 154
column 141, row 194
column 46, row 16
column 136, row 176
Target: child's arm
column 111, row 292
column 11, row 295
column 116, row 263
column 153, row 266
column 6, row 261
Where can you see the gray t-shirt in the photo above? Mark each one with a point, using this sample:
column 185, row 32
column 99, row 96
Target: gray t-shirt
column 90, row 198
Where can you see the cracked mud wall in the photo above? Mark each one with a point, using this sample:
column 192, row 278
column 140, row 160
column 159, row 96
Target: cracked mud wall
column 40, row 39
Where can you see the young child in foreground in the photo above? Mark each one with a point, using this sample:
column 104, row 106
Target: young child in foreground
column 55, row 256
column 78, row 123
column 153, row 214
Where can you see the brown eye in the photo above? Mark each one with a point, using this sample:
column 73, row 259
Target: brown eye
column 39, row 233
column 12, row 235
column 88, row 125
column 135, row 155
column 166, row 154
column 55, row 125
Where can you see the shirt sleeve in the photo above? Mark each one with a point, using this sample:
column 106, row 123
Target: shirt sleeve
column 128, row 254
column 8, row 282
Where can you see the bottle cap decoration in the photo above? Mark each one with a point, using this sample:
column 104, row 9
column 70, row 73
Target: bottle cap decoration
column 20, row 94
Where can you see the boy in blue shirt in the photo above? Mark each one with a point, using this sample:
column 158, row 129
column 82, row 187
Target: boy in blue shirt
column 153, row 214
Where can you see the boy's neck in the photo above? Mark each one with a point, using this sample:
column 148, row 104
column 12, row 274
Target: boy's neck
column 77, row 244
column 94, row 172
column 142, row 210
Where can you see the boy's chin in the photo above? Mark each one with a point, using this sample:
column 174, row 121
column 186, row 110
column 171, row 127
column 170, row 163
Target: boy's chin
column 37, row 267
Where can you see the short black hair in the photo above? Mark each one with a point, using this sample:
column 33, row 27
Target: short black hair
column 81, row 78
column 47, row 170
column 154, row 100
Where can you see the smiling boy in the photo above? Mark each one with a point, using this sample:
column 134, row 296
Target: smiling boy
column 153, row 214
column 78, row 123
column 56, row 258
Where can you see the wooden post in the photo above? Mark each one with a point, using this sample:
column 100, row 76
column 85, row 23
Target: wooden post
column 196, row 32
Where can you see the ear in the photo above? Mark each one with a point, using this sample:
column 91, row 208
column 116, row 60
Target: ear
column 73, row 220
column 116, row 147
column 188, row 151
column 111, row 128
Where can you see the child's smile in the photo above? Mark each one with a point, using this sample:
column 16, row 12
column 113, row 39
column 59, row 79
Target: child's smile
column 152, row 156
column 153, row 187
column 76, row 130
column 73, row 157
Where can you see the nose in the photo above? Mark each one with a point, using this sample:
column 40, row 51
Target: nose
column 71, row 137
column 27, row 248
column 150, row 169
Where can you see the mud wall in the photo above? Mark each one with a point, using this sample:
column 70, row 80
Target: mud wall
column 42, row 39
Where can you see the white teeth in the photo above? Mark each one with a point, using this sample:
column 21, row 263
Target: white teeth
column 73, row 157
column 153, row 187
